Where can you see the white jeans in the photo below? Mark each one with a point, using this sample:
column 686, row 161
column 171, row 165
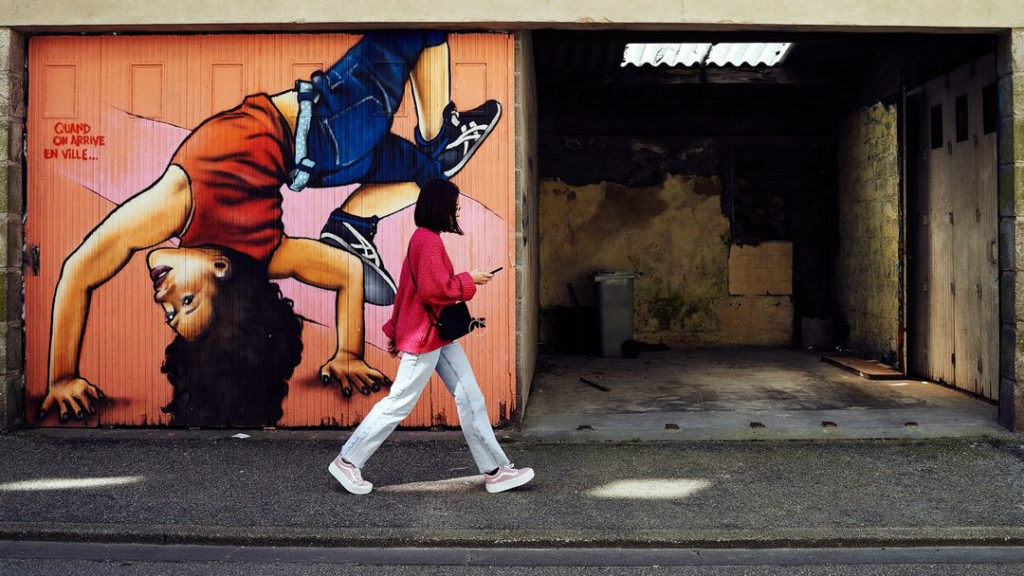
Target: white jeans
column 413, row 374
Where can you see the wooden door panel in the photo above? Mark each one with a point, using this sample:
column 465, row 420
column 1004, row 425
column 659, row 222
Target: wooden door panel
column 957, row 301
column 975, row 228
column 939, row 276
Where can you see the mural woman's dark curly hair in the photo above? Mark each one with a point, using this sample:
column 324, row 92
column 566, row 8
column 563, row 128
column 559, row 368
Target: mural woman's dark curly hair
column 236, row 373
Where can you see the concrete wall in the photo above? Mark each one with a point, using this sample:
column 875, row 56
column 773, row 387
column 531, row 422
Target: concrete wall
column 1010, row 67
column 703, row 14
column 675, row 235
column 527, row 236
column 12, row 122
column 867, row 268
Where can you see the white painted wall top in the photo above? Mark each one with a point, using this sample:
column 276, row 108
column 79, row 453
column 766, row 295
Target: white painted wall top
column 182, row 15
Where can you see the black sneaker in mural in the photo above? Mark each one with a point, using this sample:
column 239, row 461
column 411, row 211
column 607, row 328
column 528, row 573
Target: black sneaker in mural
column 461, row 135
column 355, row 234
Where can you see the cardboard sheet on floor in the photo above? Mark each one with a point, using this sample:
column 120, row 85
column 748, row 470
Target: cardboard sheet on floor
column 870, row 369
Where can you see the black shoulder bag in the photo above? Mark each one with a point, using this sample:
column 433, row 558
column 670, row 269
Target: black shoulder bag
column 455, row 321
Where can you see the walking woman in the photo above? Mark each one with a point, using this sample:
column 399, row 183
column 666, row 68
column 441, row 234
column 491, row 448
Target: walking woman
column 429, row 280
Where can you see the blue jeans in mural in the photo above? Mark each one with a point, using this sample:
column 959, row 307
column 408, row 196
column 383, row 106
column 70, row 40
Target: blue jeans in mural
column 414, row 372
column 350, row 137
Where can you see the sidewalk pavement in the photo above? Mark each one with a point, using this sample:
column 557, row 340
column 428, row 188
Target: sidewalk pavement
column 273, row 489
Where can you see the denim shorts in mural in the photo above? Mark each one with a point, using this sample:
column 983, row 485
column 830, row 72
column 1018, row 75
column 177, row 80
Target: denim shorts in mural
column 350, row 135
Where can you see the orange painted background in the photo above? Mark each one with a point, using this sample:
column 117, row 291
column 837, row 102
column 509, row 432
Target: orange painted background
column 105, row 116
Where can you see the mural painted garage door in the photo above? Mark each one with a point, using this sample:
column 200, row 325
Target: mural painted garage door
column 220, row 221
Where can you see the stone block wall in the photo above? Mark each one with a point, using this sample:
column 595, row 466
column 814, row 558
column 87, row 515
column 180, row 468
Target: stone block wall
column 1010, row 68
column 12, row 123
column 867, row 266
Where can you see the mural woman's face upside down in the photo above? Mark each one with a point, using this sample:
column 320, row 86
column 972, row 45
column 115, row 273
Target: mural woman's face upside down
column 185, row 286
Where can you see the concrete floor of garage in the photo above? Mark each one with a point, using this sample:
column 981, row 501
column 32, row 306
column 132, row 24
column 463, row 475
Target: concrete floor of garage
column 740, row 393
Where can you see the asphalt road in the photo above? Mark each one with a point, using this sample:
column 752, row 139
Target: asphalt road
column 273, row 490
column 47, row 558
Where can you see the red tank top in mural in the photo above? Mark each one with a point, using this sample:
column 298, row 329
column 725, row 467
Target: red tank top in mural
column 236, row 162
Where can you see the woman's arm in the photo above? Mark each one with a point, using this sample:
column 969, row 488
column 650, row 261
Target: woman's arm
column 317, row 264
column 148, row 218
column 435, row 281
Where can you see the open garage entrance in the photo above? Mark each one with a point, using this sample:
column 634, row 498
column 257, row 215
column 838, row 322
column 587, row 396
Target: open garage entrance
column 773, row 214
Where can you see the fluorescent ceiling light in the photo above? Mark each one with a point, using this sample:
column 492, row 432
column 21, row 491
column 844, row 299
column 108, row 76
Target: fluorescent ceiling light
column 702, row 54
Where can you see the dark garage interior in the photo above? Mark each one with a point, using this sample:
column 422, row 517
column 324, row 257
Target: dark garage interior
column 682, row 173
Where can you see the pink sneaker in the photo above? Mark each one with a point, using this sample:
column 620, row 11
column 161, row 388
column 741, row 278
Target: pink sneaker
column 506, row 478
column 349, row 476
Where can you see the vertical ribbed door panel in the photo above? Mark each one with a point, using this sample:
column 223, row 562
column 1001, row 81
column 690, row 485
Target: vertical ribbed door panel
column 107, row 113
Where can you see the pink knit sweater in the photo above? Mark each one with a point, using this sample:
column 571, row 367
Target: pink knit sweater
column 410, row 326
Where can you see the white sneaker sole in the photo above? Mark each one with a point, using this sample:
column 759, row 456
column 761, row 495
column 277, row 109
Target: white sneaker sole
column 510, row 483
column 476, row 145
column 346, row 483
column 378, row 287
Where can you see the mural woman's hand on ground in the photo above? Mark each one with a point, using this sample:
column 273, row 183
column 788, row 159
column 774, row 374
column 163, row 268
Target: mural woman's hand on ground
column 351, row 371
column 74, row 397
column 318, row 264
column 148, row 218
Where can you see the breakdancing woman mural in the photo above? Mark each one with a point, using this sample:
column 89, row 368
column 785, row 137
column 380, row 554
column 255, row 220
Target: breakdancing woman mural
column 237, row 339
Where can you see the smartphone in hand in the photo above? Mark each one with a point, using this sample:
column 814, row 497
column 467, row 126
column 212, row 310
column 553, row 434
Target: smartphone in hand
column 496, row 270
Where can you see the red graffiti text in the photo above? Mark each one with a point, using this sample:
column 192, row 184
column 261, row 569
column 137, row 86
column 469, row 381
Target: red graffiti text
column 74, row 141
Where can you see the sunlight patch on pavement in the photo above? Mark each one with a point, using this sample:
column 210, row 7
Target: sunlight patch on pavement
column 650, row 489
column 41, row 484
column 460, row 484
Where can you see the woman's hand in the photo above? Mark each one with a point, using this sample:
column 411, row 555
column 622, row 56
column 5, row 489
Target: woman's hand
column 351, row 371
column 73, row 397
column 480, row 277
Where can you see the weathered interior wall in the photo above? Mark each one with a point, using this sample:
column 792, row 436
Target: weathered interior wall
column 867, row 268
column 675, row 235
column 527, row 238
column 12, row 122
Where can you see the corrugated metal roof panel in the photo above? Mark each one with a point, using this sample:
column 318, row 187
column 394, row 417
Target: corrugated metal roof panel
column 698, row 54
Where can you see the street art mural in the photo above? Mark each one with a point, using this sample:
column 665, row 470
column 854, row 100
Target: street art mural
column 264, row 221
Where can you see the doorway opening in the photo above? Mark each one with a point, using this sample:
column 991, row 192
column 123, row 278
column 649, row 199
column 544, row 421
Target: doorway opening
column 766, row 214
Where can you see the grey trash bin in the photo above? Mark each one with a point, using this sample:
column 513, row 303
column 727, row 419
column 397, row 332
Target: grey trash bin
column 614, row 308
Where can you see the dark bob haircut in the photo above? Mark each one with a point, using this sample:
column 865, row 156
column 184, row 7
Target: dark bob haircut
column 236, row 373
column 436, row 207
